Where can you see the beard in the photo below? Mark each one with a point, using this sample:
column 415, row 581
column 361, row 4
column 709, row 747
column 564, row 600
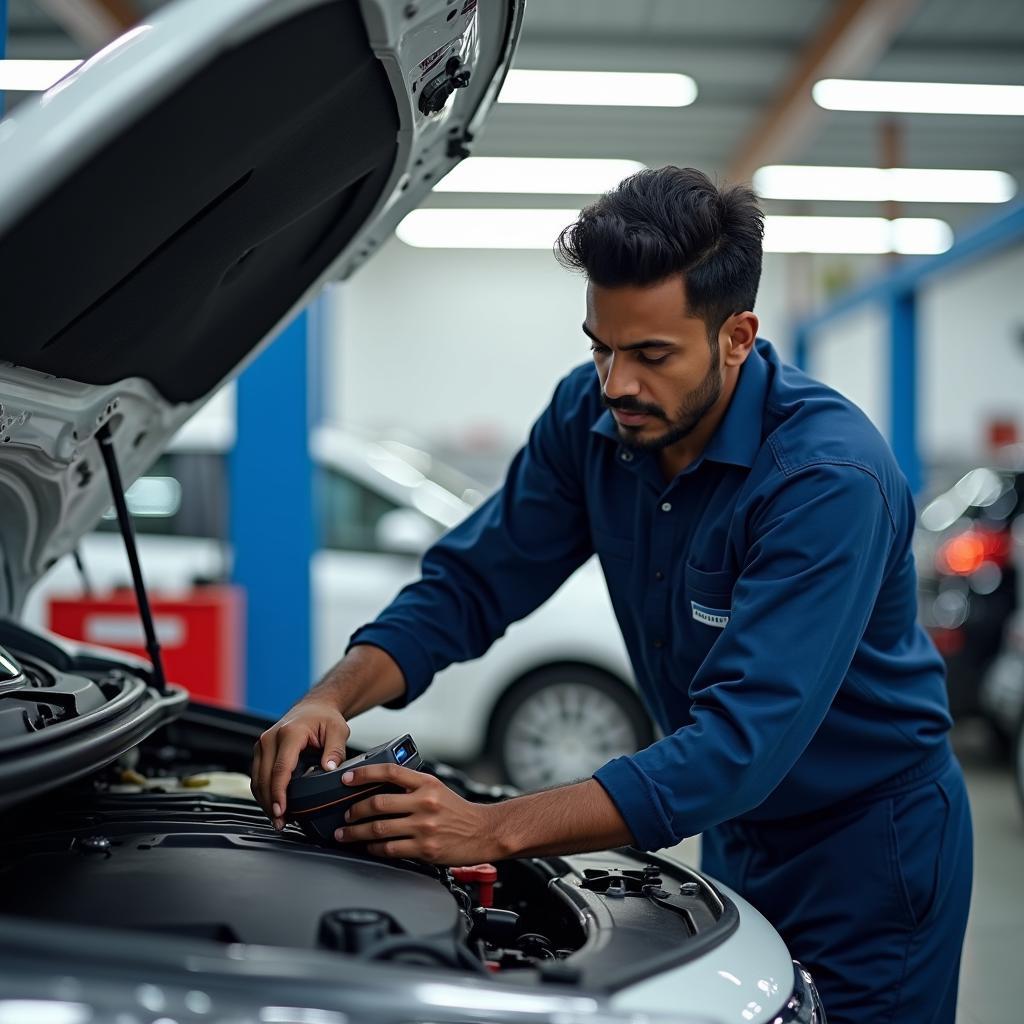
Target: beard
column 696, row 404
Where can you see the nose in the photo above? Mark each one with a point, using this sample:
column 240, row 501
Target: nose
column 620, row 380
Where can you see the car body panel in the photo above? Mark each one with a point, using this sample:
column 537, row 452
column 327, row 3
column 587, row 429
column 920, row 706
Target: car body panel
column 720, row 985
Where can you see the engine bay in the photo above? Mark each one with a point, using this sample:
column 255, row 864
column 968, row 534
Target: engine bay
column 167, row 839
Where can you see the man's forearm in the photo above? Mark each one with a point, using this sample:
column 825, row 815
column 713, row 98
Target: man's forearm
column 365, row 678
column 571, row 819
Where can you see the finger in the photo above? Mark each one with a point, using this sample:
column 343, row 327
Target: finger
column 289, row 746
column 407, row 778
column 334, row 741
column 373, row 831
column 267, row 744
column 381, row 803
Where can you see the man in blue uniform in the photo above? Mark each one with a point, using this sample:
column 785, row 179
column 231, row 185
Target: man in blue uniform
column 755, row 533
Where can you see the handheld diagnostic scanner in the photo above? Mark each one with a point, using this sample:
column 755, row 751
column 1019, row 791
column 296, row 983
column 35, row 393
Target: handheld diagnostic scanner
column 318, row 799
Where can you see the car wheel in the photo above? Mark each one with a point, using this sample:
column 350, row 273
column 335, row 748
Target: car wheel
column 560, row 724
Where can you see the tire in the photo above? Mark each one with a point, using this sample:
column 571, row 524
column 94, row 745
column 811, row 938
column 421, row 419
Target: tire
column 561, row 723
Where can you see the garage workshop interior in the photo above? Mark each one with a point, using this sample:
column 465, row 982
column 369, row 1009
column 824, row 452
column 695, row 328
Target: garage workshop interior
column 511, row 511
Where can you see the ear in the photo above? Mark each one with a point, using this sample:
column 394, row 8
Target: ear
column 737, row 338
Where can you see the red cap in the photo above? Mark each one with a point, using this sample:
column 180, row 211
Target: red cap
column 484, row 875
column 476, row 873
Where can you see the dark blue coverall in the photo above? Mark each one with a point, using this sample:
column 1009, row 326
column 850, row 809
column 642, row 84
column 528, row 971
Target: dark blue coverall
column 767, row 596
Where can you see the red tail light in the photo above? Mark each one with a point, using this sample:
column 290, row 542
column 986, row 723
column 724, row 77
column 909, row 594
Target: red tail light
column 965, row 553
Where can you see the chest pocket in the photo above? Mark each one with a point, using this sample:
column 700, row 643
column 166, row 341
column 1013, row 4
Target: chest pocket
column 708, row 603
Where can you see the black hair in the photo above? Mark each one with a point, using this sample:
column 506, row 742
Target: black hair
column 672, row 220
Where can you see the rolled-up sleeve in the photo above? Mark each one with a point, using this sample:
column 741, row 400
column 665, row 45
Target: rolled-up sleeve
column 498, row 565
column 803, row 598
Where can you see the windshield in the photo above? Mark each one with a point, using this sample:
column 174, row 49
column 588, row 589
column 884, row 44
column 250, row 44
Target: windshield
column 183, row 494
column 437, row 472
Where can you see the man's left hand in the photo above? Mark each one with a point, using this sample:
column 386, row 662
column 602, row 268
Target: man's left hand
column 428, row 822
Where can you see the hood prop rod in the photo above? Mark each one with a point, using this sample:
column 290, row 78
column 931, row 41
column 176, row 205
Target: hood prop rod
column 124, row 521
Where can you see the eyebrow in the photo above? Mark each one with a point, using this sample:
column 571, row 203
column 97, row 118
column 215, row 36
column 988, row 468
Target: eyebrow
column 633, row 346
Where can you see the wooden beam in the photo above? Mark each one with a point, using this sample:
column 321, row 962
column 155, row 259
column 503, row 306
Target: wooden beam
column 847, row 46
column 93, row 23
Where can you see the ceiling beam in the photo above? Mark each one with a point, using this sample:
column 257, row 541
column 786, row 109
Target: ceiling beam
column 93, row 23
column 847, row 46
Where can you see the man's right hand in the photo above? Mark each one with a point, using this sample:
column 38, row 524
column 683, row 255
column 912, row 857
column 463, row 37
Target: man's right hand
column 311, row 723
column 365, row 677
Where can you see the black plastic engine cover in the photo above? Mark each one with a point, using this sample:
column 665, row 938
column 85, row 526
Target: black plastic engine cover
column 229, row 886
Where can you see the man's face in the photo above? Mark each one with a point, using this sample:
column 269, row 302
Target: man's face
column 659, row 375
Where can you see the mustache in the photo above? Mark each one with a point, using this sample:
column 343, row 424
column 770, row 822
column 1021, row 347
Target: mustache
column 627, row 404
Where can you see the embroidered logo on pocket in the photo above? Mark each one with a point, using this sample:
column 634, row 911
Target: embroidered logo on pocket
column 719, row 618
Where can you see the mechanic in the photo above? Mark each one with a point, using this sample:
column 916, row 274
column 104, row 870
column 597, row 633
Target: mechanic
column 755, row 533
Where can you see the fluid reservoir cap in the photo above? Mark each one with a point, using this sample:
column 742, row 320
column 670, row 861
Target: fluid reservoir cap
column 476, row 873
column 353, row 930
column 484, row 875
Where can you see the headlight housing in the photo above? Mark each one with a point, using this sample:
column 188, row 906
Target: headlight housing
column 804, row 1005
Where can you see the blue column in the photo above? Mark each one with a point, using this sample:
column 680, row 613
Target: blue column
column 903, row 394
column 272, row 528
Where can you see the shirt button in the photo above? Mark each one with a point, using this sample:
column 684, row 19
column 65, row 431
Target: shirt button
column 666, row 506
column 626, row 456
column 659, row 643
column 659, row 575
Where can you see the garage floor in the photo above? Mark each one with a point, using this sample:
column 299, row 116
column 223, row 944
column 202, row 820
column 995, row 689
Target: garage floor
column 990, row 979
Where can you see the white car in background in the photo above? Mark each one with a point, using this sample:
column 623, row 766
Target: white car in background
column 550, row 702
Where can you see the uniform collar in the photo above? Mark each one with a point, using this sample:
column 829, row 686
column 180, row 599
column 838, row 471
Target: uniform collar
column 738, row 437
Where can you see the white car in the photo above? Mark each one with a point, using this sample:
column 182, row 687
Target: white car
column 550, row 702
column 162, row 211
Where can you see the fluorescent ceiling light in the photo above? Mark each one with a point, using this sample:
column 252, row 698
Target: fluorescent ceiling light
column 919, row 97
column 484, row 229
column 33, row 75
column 599, row 88
column 907, row 235
column 538, row 229
column 536, row 174
column 879, row 184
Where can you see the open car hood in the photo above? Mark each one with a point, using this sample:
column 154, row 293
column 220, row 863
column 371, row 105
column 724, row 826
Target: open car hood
column 169, row 205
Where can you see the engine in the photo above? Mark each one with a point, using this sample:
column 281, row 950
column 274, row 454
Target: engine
column 168, row 840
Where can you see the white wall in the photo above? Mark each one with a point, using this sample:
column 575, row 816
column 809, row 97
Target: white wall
column 462, row 344
column 450, row 343
column 852, row 356
column 971, row 355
